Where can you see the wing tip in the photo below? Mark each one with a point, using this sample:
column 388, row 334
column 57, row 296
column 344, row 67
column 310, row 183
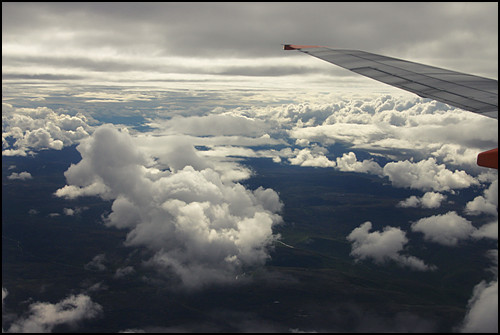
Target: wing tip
column 298, row 47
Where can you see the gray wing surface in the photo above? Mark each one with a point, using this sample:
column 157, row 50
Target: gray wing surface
column 465, row 91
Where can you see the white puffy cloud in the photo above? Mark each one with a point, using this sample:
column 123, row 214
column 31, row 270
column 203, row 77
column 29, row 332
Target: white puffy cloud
column 349, row 162
column 174, row 152
column 402, row 128
column 421, row 135
column 21, row 175
column 412, row 201
column 40, row 128
column 447, row 229
column 177, row 151
column 308, row 157
column 315, row 156
column 457, row 155
column 489, row 230
column 383, row 246
column 432, row 144
column 428, row 200
column 424, row 132
column 199, row 226
column 43, row 316
column 73, row 192
column 427, row 175
column 486, row 203
column 482, row 313
column 480, row 205
column 482, row 316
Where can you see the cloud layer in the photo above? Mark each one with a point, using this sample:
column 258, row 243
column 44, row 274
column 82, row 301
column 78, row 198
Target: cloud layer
column 245, row 30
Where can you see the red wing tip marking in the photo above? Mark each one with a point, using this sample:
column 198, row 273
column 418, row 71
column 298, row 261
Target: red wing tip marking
column 488, row 159
column 297, row 47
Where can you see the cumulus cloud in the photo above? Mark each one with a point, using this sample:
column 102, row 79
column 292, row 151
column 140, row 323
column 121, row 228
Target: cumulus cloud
column 486, row 203
column 482, row 316
column 44, row 316
column 457, row 155
column 349, row 162
column 308, row 157
column 482, row 308
column 28, row 129
column 411, row 129
column 489, row 230
column 174, row 152
column 428, row 141
column 428, row 200
column 383, row 246
column 420, row 135
column 21, row 175
column 316, row 156
column 480, row 205
column 200, row 227
column 383, row 117
column 447, row 229
column 427, row 175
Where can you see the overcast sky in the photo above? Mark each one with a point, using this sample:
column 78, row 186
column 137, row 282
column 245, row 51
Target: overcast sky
column 121, row 42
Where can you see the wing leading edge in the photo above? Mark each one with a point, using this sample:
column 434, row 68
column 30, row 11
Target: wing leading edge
column 465, row 91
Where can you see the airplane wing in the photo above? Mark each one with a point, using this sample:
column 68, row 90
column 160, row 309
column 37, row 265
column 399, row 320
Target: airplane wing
column 465, row 91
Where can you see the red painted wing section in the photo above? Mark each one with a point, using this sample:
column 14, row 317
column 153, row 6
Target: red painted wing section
column 488, row 159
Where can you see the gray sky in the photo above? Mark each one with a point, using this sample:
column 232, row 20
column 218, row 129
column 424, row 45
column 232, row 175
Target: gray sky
column 154, row 41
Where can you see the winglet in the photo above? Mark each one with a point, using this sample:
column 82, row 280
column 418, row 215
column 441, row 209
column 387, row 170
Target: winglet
column 297, row 47
column 488, row 159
